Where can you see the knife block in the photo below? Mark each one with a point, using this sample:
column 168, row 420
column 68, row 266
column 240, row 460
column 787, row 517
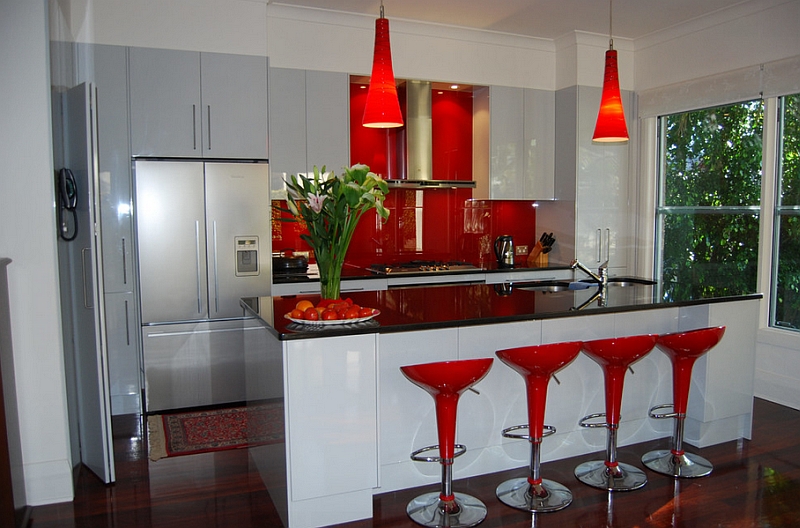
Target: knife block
column 541, row 260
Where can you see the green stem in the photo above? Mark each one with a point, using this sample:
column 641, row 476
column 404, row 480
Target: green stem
column 330, row 266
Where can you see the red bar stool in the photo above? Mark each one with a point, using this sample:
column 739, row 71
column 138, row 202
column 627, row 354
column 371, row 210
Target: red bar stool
column 683, row 349
column 615, row 356
column 446, row 381
column 536, row 364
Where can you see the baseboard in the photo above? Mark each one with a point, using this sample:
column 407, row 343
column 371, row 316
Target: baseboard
column 48, row 483
column 777, row 388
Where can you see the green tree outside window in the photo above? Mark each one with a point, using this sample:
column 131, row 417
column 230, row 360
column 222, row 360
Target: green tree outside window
column 786, row 275
column 709, row 201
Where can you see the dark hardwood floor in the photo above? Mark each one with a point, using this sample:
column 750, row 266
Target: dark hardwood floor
column 755, row 483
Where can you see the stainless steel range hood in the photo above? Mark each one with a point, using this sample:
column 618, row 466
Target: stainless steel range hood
column 419, row 143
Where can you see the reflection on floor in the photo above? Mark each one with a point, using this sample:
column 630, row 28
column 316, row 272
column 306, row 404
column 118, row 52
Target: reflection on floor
column 754, row 483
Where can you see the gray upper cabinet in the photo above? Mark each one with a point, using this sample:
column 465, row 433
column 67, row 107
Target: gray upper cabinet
column 327, row 120
column 234, row 113
column 287, row 125
column 308, row 122
column 190, row 104
column 105, row 66
column 539, row 144
column 520, row 141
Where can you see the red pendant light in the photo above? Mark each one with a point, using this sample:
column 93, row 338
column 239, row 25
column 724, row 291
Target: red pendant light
column 611, row 127
column 382, row 108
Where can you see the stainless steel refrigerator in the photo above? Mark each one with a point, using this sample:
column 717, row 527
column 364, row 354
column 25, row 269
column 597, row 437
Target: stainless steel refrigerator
column 203, row 241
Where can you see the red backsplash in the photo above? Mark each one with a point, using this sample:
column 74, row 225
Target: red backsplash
column 434, row 224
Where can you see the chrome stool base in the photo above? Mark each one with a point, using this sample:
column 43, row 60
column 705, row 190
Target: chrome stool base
column 687, row 465
column 429, row 510
column 596, row 474
column 519, row 493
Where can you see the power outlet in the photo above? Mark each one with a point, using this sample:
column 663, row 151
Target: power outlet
column 522, row 250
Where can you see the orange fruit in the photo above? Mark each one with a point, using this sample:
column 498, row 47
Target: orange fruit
column 304, row 305
column 296, row 314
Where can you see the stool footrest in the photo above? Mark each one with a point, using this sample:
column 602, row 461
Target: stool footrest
column 460, row 449
column 508, row 432
column 659, row 416
column 582, row 421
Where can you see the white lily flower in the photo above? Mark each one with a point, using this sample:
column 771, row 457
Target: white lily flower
column 315, row 202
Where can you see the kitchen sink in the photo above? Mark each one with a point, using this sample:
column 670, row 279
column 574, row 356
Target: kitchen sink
column 630, row 281
column 624, row 281
column 543, row 286
column 559, row 286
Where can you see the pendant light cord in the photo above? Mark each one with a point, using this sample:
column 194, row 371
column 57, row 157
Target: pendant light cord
column 610, row 21
column 382, row 9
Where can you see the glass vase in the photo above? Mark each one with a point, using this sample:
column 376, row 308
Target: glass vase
column 330, row 278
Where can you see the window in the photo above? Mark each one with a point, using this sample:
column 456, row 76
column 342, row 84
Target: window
column 785, row 298
column 707, row 216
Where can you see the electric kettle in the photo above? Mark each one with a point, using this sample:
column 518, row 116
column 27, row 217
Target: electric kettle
column 504, row 251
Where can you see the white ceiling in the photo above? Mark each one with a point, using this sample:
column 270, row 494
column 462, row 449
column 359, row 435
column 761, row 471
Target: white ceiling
column 535, row 18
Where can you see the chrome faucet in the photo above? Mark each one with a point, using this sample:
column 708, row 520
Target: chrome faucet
column 602, row 272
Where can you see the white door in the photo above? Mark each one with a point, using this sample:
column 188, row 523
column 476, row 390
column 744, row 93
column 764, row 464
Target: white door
column 82, row 285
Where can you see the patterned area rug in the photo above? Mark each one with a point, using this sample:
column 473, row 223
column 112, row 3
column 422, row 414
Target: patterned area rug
column 214, row 430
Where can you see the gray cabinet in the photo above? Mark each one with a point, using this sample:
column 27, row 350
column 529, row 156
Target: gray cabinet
column 520, row 141
column 109, row 73
column 308, row 122
column 191, row 104
column 122, row 334
column 592, row 186
column 106, row 67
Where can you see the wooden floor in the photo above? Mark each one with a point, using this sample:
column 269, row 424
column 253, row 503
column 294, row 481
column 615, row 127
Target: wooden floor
column 755, row 483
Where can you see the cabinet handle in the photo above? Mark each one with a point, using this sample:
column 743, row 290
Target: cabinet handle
column 124, row 263
column 608, row 243
column 194, row 127
column 599, row 245
column 209, row 127
column 216, row 274
column 86, row 296
column 197, row 264
column 127, row 324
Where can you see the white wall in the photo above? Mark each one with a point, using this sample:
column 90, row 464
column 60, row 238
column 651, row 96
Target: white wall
column 314, row 39
column 760, row 31
column 27, row 236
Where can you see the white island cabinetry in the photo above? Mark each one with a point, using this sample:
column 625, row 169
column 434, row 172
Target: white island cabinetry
column 332, row 428
column 352, row 419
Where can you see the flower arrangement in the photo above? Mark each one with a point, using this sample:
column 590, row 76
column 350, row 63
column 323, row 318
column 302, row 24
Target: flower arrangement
column 331, row 206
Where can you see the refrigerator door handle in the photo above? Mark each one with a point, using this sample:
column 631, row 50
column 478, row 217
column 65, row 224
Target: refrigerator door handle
column 197, row 263
column 216, row 269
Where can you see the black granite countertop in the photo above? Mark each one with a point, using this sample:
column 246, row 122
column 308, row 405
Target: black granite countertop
column 446, row 306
